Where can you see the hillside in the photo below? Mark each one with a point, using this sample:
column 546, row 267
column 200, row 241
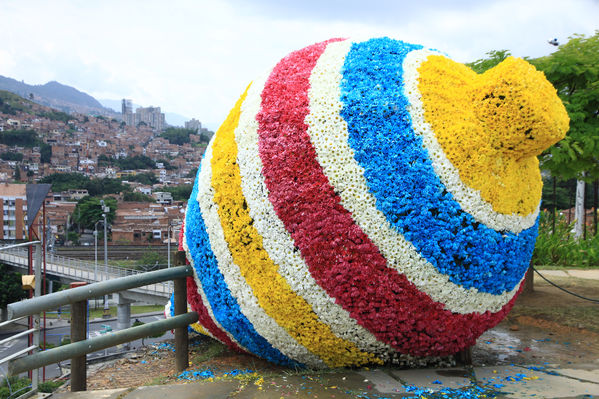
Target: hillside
column 11, row 103
column 56, row 95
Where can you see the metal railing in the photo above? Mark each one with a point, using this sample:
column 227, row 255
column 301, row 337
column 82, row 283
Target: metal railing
column 34, row 322
column 77, row 298
column 80, row 269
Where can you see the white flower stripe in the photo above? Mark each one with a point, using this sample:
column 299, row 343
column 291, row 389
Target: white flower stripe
column 264, row 325
column 470, row 199
column 329, row 135
column 278, row 242
column 205, row 165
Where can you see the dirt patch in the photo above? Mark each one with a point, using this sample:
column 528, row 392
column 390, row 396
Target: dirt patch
column 545, row 327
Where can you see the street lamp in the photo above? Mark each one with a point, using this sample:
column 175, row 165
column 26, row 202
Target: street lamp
column 96, row 256
column 96, row 250
column 105, row 210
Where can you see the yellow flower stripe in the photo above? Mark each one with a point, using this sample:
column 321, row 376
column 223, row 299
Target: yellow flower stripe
column 492, row 126
column 273, row 293
column 197, row 327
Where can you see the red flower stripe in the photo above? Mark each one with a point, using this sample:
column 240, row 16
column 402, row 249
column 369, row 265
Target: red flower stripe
column 340, row 256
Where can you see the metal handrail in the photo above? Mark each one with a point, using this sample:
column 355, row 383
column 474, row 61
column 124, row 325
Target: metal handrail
column 19, row 353
column 90, row 345
column 23, row 244
column 18, row 335
column 95, row 290
column 80, row 269
column 78, row 297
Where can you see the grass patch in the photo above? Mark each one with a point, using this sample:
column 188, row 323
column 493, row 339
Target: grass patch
column 49, row 386
column 207, row 350
column 14, row 387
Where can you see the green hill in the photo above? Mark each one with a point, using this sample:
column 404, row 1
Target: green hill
column 11, row 103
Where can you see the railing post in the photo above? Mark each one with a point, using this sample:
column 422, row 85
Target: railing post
column 37, row 265
column 78, row 333
column 181, row 338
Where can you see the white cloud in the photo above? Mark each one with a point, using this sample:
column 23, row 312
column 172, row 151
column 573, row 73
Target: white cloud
column 196, row 57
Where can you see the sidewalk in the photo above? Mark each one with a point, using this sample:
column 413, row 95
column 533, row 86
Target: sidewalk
column 589, row 274
column 489, row 382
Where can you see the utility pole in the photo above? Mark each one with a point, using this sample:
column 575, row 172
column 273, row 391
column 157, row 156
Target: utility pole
column 105, row 210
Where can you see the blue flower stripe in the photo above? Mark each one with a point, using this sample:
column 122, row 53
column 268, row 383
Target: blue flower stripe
column 400, row 175
column 225, row 308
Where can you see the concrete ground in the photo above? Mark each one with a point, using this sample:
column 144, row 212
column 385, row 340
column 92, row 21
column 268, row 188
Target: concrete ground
column 542, row 380
column 580, row 381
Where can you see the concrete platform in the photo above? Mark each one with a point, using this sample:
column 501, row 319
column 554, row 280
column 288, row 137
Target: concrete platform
column 505, row 382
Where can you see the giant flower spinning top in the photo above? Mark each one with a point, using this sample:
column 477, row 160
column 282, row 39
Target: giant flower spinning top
column 368, row 199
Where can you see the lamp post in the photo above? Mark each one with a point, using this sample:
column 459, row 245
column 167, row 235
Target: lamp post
column 105, row 210
column 96, row 257
column 96, row 250
column 168, row 234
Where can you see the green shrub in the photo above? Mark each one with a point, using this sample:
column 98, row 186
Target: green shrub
column 49, row 386
column 18, row 386
column 560, row 248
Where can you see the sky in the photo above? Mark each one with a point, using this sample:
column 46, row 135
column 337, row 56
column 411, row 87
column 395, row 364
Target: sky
column 195, row 57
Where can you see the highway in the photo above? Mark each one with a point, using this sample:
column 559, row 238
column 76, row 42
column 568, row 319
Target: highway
column 55, row 333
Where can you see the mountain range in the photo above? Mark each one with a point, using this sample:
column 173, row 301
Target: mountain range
column 68, row 99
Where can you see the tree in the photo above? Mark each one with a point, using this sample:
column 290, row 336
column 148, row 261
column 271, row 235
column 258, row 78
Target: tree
column 177, row 135
column 574, row 71
column 136, row 162
column 11, row 156
column 17, row 175
column 104, row 160
column 151, row 260
column 10, row 287
column 88, row 211
column 20, row 137
column 493, row 59
column 147, row 178
column 105, row 185
column 180, row 193
column 167, row 164
column 45, row 153
column 64, row 181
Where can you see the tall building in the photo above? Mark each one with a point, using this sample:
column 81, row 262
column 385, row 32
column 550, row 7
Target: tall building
column 151, row 116
column 19, row 207
column 194, row 125
column 127, row 111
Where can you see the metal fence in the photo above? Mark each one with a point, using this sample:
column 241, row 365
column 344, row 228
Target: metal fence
column 80, row 270
column 77, row 297
column 34, row 319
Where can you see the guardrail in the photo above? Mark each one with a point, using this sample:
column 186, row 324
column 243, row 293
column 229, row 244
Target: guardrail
column 80, row 269
column 80, row 347
column 34, row 322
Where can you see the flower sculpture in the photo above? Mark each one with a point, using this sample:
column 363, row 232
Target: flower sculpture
column 368, row 199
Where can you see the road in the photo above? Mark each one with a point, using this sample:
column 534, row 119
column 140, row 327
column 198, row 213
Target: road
column 55, row 334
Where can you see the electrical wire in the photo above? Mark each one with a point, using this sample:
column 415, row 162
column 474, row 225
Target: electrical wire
column 565, row 290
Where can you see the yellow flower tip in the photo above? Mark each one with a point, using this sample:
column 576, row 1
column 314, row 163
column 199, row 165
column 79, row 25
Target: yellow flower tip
column 519, row 108
column 492, row 126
